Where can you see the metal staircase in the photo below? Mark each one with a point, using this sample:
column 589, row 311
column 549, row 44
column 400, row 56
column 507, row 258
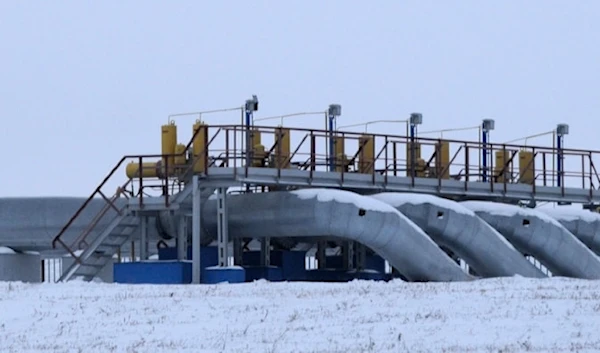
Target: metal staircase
column 107, row 230
column 103, row 248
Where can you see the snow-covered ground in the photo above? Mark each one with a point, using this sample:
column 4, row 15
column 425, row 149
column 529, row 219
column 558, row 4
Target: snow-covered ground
column 497, row 315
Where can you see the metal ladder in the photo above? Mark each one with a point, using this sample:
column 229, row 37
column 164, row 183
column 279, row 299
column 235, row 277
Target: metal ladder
column 102, row 248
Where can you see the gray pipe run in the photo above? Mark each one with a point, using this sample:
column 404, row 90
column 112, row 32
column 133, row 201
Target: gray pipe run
column 336, row 213
column 457, row 228
column 30, row 224
column 540, row 236
column 585, row 225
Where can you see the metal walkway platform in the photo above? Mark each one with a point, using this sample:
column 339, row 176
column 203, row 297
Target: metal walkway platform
column 222, row 177
column 260, row 158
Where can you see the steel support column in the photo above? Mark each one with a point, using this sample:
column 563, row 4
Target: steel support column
column 361, row 257
column 144, row 238
column 559, row 160
column 484, row 156
column 182, row 238
column 265, row 252
column 321, row 255
column 238, row 252
column 223, row 229
column 196, row 227
column 348, row 255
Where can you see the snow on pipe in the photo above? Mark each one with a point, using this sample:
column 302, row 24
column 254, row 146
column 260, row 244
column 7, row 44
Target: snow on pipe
column 457, row 228
column 342, row 214
column 585, row 225
column 535, row 233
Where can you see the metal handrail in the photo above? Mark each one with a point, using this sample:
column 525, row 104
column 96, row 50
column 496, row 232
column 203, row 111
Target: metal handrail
column 98, row 190
column 594, row 177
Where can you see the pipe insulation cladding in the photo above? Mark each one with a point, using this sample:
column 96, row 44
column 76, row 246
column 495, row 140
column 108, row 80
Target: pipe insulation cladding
column 541, row 236
column 457, row 228
column 341, row 214
column 31, row 223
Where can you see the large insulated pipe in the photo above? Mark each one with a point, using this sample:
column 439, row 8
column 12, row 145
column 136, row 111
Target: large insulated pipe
column 536, row 234
column 30, row 224
column 341, row 214
column 457, row 228
column 585, row 225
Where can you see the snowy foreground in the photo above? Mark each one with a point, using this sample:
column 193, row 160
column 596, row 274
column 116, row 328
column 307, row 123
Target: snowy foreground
column 499, row 315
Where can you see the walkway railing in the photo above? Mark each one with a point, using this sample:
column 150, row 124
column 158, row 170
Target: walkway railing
column 309, row 150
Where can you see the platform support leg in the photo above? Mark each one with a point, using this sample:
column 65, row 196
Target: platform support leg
column 265, row 252
column 348, row 255
column 238, row 252
column 144, row 238
column 182, row 238
column 196, row 226
column 321, row 256
column 361, row 257
column 223, row 227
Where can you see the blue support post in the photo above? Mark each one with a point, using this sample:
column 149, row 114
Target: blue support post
column 248, row 119
column 332, row 155
column 559, row 166
column 484, row 166
column 413, row 156
column 248, row 142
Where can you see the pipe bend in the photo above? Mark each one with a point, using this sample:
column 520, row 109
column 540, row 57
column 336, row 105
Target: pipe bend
column 457, row 228
column 342, row 214
column 535, row 233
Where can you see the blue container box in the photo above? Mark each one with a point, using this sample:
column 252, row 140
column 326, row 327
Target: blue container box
column 153, row 272
column 209, row 255
column 292, row 263
column 213, row 275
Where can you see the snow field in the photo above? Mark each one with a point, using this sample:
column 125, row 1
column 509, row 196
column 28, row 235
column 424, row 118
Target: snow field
column 496, row 315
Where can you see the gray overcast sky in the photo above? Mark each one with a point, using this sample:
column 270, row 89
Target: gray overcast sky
column 83, row 83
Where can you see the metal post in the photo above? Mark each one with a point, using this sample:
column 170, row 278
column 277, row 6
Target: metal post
column 248, row 139
column 182, row 238
column 238, row 252
column 332, row 155
column 348, row 255
column 265, row 252
column 412, row 151
column 144, row 239
column 559, row 159
column 222, row 227
column 196, row 226
column 484, row 140
column 321, row 256
column 361, row 257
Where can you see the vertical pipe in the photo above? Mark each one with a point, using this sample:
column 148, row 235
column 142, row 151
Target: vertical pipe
column 196, row 213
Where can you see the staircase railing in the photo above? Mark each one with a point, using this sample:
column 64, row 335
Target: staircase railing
column 110, row 202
